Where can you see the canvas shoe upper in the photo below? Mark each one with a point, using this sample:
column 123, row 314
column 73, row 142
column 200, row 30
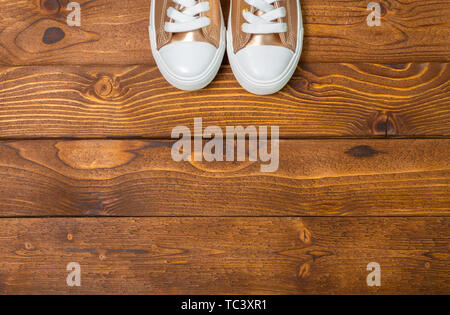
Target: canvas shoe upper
column 264, row 43
column 188, row 41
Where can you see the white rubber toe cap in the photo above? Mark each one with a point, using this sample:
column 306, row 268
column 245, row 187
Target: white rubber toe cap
column 188, row 59
column 264, row 63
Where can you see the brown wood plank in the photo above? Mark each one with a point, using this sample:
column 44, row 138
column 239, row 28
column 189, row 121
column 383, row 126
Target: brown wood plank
column 139, row 178
column 115, row 32
column 225, row 255
column 322, row 100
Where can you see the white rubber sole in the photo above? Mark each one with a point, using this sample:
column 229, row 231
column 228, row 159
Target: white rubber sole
column 265, row 87
column 191, row 83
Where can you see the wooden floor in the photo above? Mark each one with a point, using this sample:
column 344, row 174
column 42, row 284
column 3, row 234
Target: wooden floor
column 86, row 173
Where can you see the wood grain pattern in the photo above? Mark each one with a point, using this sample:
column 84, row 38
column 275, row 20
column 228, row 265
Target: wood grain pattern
column 139, row 178
column 225, row 255
column 114, row 200
column 322, row 100
column 115, row 32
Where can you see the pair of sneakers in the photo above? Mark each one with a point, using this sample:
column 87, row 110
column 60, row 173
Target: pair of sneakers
column 264, row 42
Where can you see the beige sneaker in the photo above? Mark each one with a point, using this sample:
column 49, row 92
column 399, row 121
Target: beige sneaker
column 264, row 43
column 187, row 38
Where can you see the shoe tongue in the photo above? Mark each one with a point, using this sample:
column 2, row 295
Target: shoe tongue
column 265, row 39
column 191, row 36
column 259, row 12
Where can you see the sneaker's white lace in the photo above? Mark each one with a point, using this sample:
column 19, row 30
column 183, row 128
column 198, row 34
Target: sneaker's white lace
column 189, row 18
column 263, row 24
